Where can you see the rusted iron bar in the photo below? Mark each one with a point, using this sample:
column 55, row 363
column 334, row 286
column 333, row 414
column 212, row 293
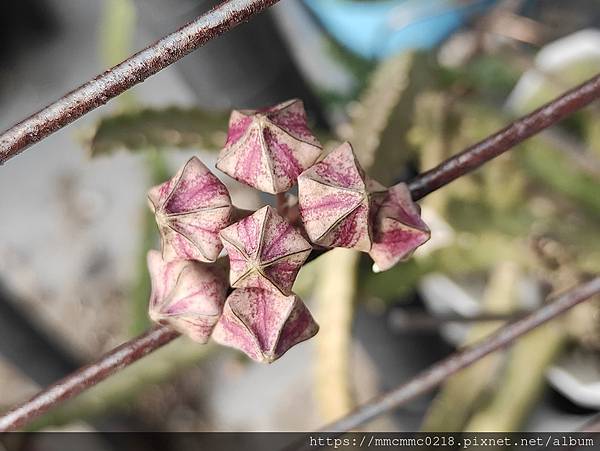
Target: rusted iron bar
column 138, row 347
column 86, row 377
column 592, row 425
column 439, row 372
column 127, row 74
column 513, row 134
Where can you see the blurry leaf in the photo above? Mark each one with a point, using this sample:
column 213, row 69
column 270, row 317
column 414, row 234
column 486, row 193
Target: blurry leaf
column 359, row 67
column 555, row 171
column 553, row 83
column 489, row 75
column 140, row 289
column 583, row 124
column 477, row 216
column 306, row 279
column 166, row 128
column 395, row 283
column 429, row 134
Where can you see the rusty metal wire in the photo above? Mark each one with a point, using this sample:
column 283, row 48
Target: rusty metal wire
column 138, row 347
column 592, row 425
column 439, row 372
column 127, row 74
column 87, row 376
column 505, row 139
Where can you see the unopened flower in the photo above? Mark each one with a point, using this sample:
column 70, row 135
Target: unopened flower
column 267, row 149
column 264, row 324
column 186, row 295
column 337, row 201
column 398, row 228
column 265, row 251
column 190, row 210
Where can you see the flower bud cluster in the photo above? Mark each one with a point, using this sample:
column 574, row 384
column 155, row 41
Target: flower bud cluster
column 251, row 306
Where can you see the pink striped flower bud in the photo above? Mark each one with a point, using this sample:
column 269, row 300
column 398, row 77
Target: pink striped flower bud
column 186, row 295
column 337, row 201
column 191, row 209
column 267, row 149
column 265, row 251
column 264, row 324
column 398, row 228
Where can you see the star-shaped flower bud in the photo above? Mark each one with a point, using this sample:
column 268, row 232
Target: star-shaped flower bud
column 398, row 228
column 264, row 324
column 190, row 210
column 186, row 295
column 267, row 149
column 265, row 251
column 337, row 201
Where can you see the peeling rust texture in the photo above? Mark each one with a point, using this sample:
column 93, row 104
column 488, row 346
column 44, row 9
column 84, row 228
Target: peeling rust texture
column 86, row 377
column 127, row 74
column 516, row 132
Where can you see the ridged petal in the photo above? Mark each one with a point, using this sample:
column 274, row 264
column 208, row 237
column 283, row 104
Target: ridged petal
column 247, row 161
column 190, row 210
column 323, row 206
column 291, row 117
column 398, row 228
column 186, row 295
column 196, row 188
column 265, row 251
column 268, row 148
column 337, row 201
column 264, row 324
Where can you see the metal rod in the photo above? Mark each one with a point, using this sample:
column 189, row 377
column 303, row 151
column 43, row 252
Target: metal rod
column 592, row 425
column 498, row 143
column 439, row 372
column 406, row 321
column 86, row 377
column 127, row 74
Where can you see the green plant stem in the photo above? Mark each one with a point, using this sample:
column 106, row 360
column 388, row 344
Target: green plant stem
column 458, row 397
column 158, row 172
column 334, row 295
column 440, row 371
column 523, row 382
